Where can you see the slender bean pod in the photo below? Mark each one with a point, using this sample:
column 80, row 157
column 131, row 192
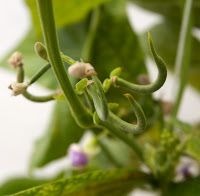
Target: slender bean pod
column 141, row 119
column 149, row 88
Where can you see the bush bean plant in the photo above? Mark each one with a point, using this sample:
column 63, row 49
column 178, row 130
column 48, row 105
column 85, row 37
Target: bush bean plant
column 88, row 54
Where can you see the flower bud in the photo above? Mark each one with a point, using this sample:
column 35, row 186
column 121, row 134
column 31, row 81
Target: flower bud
column 116, row 72
column 81, row 70
column 77, row 156
column 41, row 51
column 18, row 88
column 106, row 85
column 15, row 60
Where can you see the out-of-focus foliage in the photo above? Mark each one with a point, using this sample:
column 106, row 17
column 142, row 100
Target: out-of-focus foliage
column 116, row 182
column 66, row 12
column 61, row 132
column 17, row 184
column 115, row 44
column 190, row 187
column 170, row 8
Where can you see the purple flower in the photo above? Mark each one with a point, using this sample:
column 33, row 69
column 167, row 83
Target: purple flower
column 77, row 156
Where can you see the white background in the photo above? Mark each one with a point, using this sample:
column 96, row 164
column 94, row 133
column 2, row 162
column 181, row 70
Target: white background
column 22, row 121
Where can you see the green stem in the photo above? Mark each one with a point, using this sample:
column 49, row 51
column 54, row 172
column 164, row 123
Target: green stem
column 39, row 98
column 80, row 113
column 124, row 137
column 86, row 54
column 39, row 73
column 183, row 55
column 29, row 96
column 99, row 99
column 141, row 119
column 108, row 154
column 150, row 88
column 20, row 74
column 67, row 59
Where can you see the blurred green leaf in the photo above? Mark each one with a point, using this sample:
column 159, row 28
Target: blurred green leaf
column 60, row 97
column 169, row 30
column 116, row 182
column 169, row 8
column 17, row 184
column 81, row 86
column 61, row 132
column 66, row 12
column 190, row 187
column 193, row 145
column 119, row 151
column 115, row 43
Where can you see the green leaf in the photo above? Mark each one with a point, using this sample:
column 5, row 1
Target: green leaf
column 170, row 8
column 66, row 12
column 193, row 145
column 169, row 30
column 190, row 187
column 113, row 106
column 106, row 84
column 60, row 97
column 115, row 44
column 17, row 184
column 116, row 182
column 116, row 72
column 61, row 132
column 81, row 86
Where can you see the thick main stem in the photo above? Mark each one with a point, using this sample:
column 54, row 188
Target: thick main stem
column 81, row 114
column 183, row 54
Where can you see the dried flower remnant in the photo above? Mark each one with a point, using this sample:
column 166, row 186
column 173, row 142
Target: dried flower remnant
column 167, row 107
column 18, row 88
column 78, row 157
column 15, row 60
column 143, row 79
column 81, row 70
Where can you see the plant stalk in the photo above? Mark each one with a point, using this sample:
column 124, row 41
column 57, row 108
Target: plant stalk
column 183, row 55
column 46, row 15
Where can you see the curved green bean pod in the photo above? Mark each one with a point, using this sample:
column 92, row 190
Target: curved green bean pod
column 149, row 88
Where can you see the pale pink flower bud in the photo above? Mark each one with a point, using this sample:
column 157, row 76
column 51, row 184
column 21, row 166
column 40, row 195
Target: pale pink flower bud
column 81, row 70
column 15, row 60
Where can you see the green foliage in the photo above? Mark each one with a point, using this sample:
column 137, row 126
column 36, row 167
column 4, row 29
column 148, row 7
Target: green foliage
column 66, row 12
column 190, row 187
column 81, row 86
column 108, row 51
column 116, row 182
column 193, row 145
column 17, row 184
column 169, row 8
column 116, row 72
column 113, row 44
column 61, row 132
